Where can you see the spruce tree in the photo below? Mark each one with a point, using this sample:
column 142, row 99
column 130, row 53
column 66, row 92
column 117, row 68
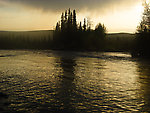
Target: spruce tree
column 145, row 23
column 58, row 27
column 74, row 19
column 142, row 45
column 84, row 25
column 71, row 21
column 66, row 19
column 80, row 27
column 62, row 22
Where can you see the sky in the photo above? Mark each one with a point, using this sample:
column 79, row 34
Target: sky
column 26, row 15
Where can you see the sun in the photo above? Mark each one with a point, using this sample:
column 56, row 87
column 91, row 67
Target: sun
column 147, row 1
column 139, row 9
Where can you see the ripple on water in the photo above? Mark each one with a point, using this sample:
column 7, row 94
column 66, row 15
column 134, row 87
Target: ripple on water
column 53, row 81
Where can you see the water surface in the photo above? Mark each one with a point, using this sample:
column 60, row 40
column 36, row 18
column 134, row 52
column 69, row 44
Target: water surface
column 73, row 82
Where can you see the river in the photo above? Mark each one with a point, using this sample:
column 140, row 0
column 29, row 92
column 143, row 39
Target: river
column 73, row 82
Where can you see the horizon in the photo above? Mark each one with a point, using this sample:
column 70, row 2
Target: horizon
column 29, row 15
column 53, row 30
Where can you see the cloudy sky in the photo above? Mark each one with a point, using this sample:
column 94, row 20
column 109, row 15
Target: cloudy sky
column 117, row 15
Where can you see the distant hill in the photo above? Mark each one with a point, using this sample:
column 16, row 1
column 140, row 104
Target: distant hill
column 49, row 33
column 119, row 41
column 26, row 39
column 43, row 40
column 27, row 34
column 120, row 35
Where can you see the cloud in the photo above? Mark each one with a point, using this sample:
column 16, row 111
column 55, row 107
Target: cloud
column 57, row 5
column 25, row 14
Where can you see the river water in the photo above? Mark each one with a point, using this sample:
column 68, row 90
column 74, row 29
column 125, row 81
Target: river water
column 73, row 82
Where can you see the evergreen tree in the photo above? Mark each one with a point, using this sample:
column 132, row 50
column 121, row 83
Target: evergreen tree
column 80, row 27
column 69, row 12
column 74, row 19
column 142, row 45
column 69, row 24
column 58, row 27
column 145, row 23
column 88, row 25
column 68, row 35
column 100, row 30
column 71, row 16
column 84, row 25
column 62, row 22
column 66, row 19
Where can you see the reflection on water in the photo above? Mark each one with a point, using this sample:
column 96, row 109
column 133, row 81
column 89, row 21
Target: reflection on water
column 65, row 90
column 144, row 80
column 73, row 82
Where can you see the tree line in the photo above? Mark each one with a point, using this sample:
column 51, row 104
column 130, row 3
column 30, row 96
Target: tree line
column 72, row 35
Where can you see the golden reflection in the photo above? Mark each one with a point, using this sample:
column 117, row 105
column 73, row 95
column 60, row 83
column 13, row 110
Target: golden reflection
column 29, row 77
column 75, row 81
column 144, row 80
column 109, row 81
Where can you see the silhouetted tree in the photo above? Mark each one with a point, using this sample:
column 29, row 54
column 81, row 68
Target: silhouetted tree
column 69, row 35
column 80, row 27
column 66, row 19
column 100, row 30
column 145, row 23
column 58, row 27
column 89, row 25
column 100, row 33
column 62, row 22
column 142, row 45
column 71, row 19
column 74, row 20
column 84, row 25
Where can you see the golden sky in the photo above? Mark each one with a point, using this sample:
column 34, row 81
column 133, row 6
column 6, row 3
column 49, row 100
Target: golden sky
column 117, row 15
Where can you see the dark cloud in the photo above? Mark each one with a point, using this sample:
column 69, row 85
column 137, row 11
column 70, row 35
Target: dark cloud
column 74, row 4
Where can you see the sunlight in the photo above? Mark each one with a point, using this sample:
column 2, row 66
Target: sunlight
column 147, row 1
column 116, row 20
column 125, row 20
column 139, row 9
